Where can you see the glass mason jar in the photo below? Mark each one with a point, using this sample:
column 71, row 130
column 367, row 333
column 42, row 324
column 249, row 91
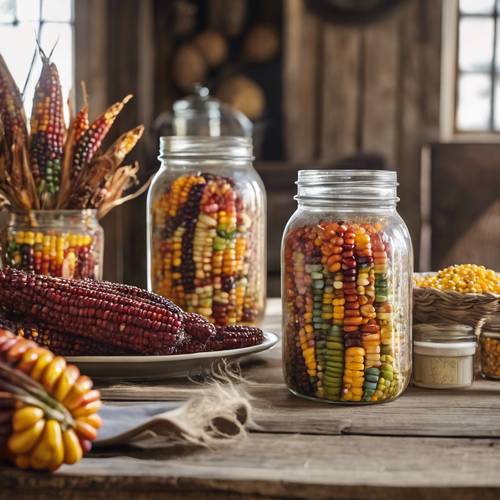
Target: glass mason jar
column 64, row 243
column 490, row 348
column 206, row 229
column 346, row 288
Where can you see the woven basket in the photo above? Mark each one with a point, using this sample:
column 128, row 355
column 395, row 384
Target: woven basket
column 436, row 306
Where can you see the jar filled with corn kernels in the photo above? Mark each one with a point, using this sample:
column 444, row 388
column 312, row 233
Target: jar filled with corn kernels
column 63, row 243
column 206, row 229
column 490, row 348
column 346, row 288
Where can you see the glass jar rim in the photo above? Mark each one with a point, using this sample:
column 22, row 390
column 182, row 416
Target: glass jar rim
column 63, row 211
column 348, row 187
column 316, row 177
column 443, row 333
column 221, row 147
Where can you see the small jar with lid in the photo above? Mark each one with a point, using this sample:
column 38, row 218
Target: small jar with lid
column 443, row 356
column 490, row 348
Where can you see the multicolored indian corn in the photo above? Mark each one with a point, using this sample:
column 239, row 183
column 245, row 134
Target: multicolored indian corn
column 11, row 106
column 48, row 130
column 92, row 138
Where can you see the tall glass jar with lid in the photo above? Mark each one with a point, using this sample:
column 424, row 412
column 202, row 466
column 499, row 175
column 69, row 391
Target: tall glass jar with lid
column 206, row 229
column 346, row 289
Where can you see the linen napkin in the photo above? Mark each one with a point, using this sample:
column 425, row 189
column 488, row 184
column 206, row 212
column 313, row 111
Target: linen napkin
column 220, row 415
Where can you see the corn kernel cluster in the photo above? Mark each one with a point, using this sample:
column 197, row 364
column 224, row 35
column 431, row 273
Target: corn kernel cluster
column 68, row 255
column 464, row 278
column 204, row 250
column 341, row 337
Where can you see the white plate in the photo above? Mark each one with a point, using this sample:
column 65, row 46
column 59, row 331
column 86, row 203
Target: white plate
column 161, row 367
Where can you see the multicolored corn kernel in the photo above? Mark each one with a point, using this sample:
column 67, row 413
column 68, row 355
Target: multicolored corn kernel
column 204, row 251
column 341, row 338
column 66, row 255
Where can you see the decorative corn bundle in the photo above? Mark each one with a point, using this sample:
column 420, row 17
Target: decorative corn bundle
column 48, row 132
column 202, row 249
column 48, row 411
column 60, row 167
column 83, row 317
column 341, row 335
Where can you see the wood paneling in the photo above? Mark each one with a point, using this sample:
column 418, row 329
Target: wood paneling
column 339, row 113
column 379, row 86
column 300, row 81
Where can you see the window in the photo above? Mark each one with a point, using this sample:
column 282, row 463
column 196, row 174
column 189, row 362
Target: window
column 21, row 23
column 470, row 96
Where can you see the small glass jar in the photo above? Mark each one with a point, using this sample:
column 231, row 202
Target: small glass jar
column 207, row 229
column 64, row 243
column 490, row 348
column 443, row 356
column 346, row 289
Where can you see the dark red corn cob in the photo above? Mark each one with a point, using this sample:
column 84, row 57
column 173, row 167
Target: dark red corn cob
column 226, row 337
column 92, row 138
column 89, row 309
column 235, row 337
column 58, row 342
column 48, row 130
column 198, row 328
column 11, row 106
column 137, row 293
column 65, row 344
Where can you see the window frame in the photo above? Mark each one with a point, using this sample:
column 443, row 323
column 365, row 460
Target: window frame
column 450, row 74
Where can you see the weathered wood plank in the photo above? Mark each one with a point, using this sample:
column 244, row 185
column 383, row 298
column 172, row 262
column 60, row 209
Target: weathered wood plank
column 301, row 66
column 291, row 466
column 380, row 88
column 340, row 112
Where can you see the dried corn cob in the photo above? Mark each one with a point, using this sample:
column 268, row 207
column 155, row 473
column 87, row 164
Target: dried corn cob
column 62, row 343
column 55, row 417
column 81, row 122
column 11, row 106
column 91, row 140
column 225, row 338
column 124, row 144
column 92, row 312
column 235, row 337
column 48, row 132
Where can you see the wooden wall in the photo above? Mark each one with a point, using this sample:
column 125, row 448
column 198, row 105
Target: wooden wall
column 371, row 88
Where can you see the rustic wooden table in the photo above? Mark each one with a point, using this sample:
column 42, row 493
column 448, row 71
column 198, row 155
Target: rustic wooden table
column 427, row 444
